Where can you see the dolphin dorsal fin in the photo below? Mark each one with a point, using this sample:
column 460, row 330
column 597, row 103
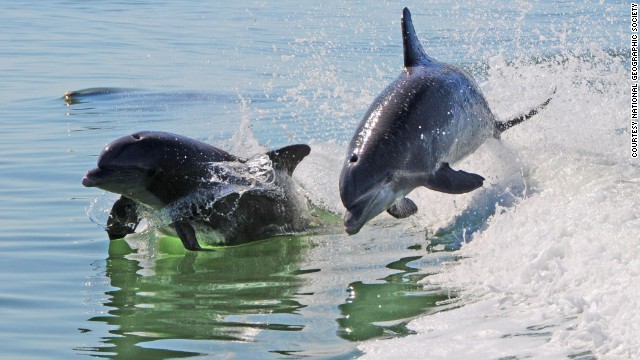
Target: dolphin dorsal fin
column 413, row 52
column 288, row 157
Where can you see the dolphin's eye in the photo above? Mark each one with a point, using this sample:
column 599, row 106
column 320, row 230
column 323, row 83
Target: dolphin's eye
column 354, row 158
column 389, row 177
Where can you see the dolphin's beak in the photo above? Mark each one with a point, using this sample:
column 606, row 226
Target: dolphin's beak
column 358, row 214
column 87, row 182
column 352, row 225
column 366, row 208
column 92, row 179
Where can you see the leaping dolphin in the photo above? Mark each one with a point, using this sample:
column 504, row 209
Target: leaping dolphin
column 202, row 186
column 431, row 116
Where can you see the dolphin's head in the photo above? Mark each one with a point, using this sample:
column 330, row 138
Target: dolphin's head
column 376, row 170
column 366, row 190
column 128, row 167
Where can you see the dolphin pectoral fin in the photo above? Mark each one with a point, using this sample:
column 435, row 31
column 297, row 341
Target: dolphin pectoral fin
column 288, row 157
column 123, row 218
column 450, row 181
column 402, row 208
column 187, row 234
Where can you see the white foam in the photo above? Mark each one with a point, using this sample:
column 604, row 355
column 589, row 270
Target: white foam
column 554, row 273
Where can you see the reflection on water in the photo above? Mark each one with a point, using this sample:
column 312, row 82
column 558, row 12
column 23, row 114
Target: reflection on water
column 223, row 295
column 257, row 298
column 383, row 309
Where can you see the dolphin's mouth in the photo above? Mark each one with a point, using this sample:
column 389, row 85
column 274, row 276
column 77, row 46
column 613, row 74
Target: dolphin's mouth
column 357, row 215
column 96, row 177
column 351, row 224
column 88, row 182
column 92, row 178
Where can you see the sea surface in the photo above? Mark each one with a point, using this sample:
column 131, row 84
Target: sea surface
column 542, row 262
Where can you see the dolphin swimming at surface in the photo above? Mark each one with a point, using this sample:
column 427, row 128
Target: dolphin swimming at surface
column 205, row 188
column 431, row 116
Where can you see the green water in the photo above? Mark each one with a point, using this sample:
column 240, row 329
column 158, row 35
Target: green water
column 195, row 296
column 161, row 301
column 373, row 310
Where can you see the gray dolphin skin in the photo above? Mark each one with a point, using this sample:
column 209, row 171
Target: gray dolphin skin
column 431, row 116
column 205, row 188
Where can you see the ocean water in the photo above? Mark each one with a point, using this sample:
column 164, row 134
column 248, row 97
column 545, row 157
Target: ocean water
column 542, row 262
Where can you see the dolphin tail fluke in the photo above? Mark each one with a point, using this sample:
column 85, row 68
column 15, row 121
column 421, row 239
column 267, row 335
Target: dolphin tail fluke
column 501, row 126
column 413, row 52
column 123, row 218
column 288, row 157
